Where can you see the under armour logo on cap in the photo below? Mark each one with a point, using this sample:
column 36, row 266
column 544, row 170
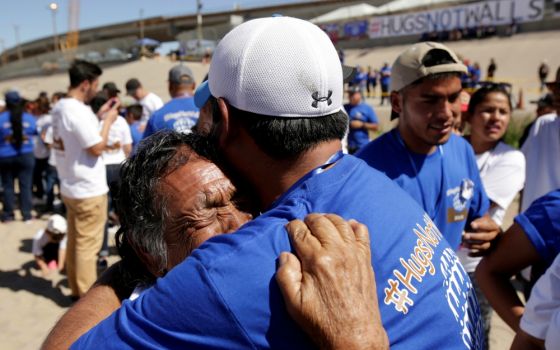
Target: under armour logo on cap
column 318, row 99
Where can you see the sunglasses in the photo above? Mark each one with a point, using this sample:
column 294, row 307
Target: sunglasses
column 490, row 85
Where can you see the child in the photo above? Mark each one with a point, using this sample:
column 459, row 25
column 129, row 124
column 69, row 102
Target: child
column 49, row 245
column 133, row 116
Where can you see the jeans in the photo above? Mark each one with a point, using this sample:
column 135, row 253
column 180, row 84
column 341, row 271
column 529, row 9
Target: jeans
column 19, row 167
column 113, row 178
column 39, row 171
column 52, row 179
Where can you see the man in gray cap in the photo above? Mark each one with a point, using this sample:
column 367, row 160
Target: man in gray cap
column 179, row 114
column 436, row 167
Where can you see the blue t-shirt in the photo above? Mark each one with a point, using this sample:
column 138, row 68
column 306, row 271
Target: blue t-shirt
column 445, row 183
column 385, row 74
column 357, row 138
column 7, row 148
column 541, row 223
column 360, row 79
column 225, row 294
column 136, row 134
column 179, row 114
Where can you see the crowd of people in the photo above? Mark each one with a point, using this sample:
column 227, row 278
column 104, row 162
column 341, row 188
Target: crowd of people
column 255, row 151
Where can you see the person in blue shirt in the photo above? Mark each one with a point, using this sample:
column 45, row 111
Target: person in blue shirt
column 179, row 114
column 437, row 168
column 362, row 120
column 133, row 118
column 475, row 74
column 422, row 154
column 17, row 129
column 360, row 79
column 285, row 143
column 535, row 239
column 371, row 85
column 385, row 81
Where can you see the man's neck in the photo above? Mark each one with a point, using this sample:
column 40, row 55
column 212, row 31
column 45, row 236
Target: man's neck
column 183, row 93
column 270, row 178
column 142, row 94
column 413, row 143
column 77, row 94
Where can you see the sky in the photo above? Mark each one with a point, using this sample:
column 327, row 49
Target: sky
column 33, row 18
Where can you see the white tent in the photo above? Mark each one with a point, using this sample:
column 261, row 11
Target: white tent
column 402, row 5
column 345, row 13
column 363, row 10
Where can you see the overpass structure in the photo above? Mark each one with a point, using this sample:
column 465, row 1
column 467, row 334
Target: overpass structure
column 167, row 28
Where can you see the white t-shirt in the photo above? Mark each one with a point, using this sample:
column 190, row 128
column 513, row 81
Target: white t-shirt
column 41, row 239
column 542, row 153
column 40, row 150
column 49, row 141
column 75, row 129
column 150, row 103
column 541, row 318
column 119, row 135
column 502, row 171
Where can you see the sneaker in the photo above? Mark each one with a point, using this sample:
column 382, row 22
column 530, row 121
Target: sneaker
column 102, row 264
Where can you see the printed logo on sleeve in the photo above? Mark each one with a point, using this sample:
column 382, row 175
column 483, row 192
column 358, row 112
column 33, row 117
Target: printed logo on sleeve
column 415, row 267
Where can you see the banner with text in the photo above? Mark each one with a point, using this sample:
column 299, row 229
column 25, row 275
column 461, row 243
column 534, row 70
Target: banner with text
column 485, row 13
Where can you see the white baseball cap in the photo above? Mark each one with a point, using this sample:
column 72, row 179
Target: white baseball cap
column 57, row 224
column 277, row 66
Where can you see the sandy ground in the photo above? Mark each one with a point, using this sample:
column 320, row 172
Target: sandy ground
column 30, row 304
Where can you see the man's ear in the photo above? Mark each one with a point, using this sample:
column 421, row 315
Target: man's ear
column 225, row 122
column 396, row 101
column 84, row 86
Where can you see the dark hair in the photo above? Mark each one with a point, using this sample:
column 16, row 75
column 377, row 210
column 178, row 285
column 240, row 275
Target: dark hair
column 480, row 94
column 437, row 57
column 81, row 71
column 284, row 138
column 142, row 211
column 135, row 111
column 16, row 115
column 43, row 105
column 59, row 95
column 98, row 101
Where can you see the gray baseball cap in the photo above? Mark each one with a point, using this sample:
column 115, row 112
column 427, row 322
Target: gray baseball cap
column 418, row 61
column 181, row 74
column 413, row 64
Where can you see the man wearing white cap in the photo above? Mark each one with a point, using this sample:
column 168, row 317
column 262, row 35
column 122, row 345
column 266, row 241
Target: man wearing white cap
column 273, row 107
column 179, row 114
column 423, row 155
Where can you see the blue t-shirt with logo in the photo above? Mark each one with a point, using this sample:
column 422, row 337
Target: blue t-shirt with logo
column 225, row 296
column 385, row 74
column 179, row 114
column 445, row 183
column 541, row 223
column 7, row 147
column 357, row 138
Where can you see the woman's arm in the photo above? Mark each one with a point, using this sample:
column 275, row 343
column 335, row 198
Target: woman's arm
column 513, row 253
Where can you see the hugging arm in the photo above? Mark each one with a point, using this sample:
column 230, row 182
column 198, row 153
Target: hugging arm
column 329, row 288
